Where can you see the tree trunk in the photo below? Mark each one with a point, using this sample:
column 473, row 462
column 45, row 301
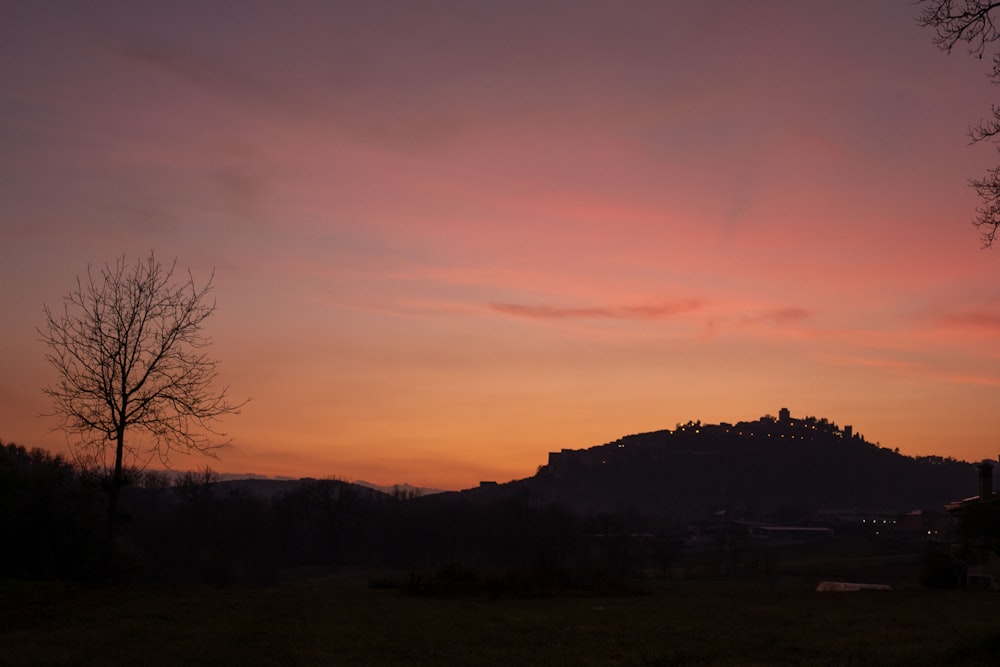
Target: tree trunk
column 114, row 487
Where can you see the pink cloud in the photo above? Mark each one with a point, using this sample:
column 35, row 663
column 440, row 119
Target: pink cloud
column 924, row 370
column 657, row 311
column 785, row 315
column 974, row 320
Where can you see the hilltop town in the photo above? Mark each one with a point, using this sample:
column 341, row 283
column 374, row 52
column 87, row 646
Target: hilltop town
column 770, row 465
column 784, row 426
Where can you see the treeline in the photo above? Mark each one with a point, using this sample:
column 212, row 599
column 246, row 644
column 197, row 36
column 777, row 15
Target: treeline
column 195, row 528
column 51, row 518
column 502, row 539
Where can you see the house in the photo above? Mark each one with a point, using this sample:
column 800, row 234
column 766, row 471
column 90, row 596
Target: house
column 979, row 531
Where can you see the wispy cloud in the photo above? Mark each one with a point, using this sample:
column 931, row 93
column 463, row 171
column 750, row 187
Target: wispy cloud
column 656, row 311
column 790, row 319
column 785, row 315
column 918, row 369
column 971, row 320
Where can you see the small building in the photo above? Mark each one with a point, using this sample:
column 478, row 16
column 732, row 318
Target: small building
column 986, row 495
column 979, row 527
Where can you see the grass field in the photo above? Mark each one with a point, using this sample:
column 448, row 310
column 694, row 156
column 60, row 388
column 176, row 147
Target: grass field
column 339, row 621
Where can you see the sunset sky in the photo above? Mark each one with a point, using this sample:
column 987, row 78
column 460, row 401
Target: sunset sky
column 449, row 237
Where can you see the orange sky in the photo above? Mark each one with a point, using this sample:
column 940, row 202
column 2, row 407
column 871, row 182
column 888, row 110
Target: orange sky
column 451, row 237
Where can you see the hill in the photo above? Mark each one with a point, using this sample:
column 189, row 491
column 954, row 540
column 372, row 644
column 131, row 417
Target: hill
column 772, row 466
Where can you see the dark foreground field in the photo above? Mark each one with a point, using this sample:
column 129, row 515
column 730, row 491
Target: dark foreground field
column 341, row 621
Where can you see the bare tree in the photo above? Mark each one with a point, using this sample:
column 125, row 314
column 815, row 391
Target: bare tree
column 134, row 381
column 972, row 22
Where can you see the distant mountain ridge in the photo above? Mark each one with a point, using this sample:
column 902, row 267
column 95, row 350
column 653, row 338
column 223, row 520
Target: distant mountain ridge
column 264, row 485
column 772, row 465
column 405, row 489
column 269, row 487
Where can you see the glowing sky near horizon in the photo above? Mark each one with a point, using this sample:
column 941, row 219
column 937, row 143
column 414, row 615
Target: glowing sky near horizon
column 450, row 237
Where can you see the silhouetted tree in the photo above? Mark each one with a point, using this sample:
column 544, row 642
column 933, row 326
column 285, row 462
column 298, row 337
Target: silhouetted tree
column 314, row 518
column 193, row 485
column 128, row 349
column 972, row 22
